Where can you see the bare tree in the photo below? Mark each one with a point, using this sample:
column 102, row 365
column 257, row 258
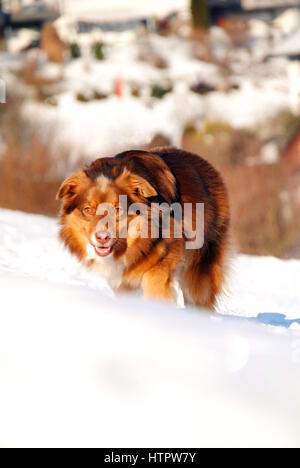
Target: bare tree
column 200, row 14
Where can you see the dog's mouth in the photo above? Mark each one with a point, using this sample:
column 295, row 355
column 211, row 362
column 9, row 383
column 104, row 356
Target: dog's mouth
column 102, row 251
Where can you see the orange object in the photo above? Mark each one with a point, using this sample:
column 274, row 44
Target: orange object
column 119, row 88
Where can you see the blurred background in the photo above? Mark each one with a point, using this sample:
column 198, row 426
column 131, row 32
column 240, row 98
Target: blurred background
column 82, row 79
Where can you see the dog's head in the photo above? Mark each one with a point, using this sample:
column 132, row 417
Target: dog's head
column 96, row 215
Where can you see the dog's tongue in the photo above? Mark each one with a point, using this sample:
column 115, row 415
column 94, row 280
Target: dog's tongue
column 103, row 251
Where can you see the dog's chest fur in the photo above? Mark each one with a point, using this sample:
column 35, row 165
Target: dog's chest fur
column 109, row 269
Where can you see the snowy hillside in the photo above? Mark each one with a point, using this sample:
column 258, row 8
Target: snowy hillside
column 80, row 368
column 29, row 246
column 84, row 113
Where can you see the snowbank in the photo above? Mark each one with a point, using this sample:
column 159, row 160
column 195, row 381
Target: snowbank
column 89, row 129
column 80, row 368
column 257, row 285
column 288, row 46
column 288, row 21
column 250, row 106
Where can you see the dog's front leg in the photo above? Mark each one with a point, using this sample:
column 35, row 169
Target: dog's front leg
column 124, row 288
column 157, row 284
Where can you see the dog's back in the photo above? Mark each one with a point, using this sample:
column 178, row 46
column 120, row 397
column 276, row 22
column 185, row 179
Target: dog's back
column 197, row 181
column 205, row 271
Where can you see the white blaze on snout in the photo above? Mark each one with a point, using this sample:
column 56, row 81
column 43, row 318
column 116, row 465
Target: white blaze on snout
column 93, row 240
column 103, row 182
column 107, row 267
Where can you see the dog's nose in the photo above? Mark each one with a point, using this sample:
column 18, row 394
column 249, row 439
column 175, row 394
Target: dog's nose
column 103, row 237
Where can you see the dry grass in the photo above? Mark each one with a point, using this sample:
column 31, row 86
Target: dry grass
column 25, row 183
column 265, row 209
column 29, row 176
column 221, row 144
column 264, row 198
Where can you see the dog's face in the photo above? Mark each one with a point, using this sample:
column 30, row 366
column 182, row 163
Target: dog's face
column 95, row 214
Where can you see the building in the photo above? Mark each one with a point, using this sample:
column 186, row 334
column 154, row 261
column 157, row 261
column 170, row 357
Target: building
column 106, row 10
column 4, row 19
column 29, row 13
column 267, row 9
column 116, row 15
column 119, row 15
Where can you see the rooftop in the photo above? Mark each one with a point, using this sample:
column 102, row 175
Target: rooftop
column 289, row 46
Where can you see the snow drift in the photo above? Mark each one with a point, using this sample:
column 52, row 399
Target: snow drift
column 81, row 368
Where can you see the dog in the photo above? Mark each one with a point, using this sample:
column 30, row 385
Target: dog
column 153, row 183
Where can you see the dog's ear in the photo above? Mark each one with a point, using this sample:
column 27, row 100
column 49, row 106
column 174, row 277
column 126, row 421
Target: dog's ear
column 70, row 189
column 136, row 185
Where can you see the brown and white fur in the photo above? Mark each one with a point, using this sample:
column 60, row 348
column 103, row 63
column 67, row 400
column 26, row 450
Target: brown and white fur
column 164, row 175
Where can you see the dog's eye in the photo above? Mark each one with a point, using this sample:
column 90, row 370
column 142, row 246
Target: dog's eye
column 89, row 211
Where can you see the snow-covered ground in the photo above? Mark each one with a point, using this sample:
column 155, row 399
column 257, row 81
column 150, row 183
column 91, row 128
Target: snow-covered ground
column 29, row 246
column 88, row 129
column 79, row 367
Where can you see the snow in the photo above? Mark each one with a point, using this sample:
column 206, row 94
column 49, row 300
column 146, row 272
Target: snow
column 260, row 102
column 118, row 9
column 289, row 46
column 79, row 367
column 21, row 40
column 257, row 284
column 9, row 62
column 41, row 255
column 288, row 21
column 264, row 285
column 89, row 129
column 259, row 28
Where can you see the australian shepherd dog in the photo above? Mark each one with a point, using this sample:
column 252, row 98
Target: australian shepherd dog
column 148, row 220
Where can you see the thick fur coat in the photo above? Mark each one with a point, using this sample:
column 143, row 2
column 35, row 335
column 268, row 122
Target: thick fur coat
column 150, row 263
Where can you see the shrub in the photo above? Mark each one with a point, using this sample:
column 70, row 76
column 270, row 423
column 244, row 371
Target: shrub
column 98, row 50
column 75, row 50
column 29, row 173
column 160, row 91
